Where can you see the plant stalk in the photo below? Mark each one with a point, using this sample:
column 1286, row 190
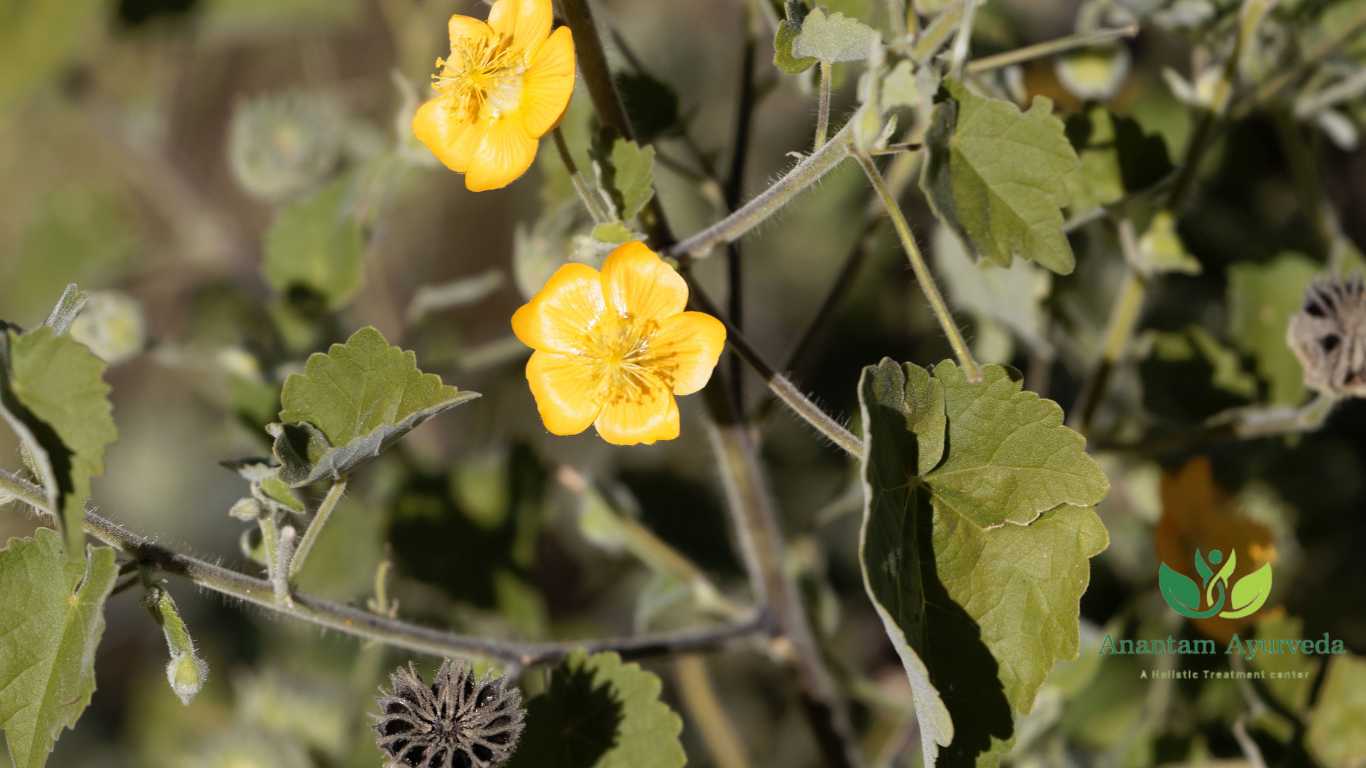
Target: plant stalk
column 770, row 201
column 1049, row 48
column 923, row 276
column 370, row 626
column 315, row 527
column 586, row 195
column 827, row 74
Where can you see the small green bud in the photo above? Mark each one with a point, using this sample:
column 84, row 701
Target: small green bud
column 283, row 145
column 186, row 674
column 112, row 325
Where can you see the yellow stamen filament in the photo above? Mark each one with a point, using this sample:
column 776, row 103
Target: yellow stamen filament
column 481, row 72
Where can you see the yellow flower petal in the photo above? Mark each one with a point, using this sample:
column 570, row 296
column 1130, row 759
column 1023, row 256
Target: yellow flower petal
column 505, row 153
column 639, row 284
column 452, row 140
column 686, row 348
column 643, row 413
column 466, row 28
column 568, row 307
column 527, row 22
column 567, row 389
column 548, row 83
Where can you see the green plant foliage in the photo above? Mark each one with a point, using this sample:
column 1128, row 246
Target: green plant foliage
column 39, row 38
column 52, row 609
column 1118, row 158
column 629, row 175
column 1335, row 736
column 978, row 611
column 316, row 244
column 1261, row 299
column 353, row 402
column 833, row 37
column 600, row 712
column 1160, row 249
column 786, row 35
column 1000, row 210
column 55, row 386
column 1013, row 295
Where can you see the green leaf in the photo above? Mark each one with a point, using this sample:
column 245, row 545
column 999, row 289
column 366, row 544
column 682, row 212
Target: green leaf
column 1261, row 300
column 783, row 58
column 52, row 612
column 1013, row 295
column 316, row 244
column 351, row 403
column 899, row 87
column 1118, row 158
column 834, row 37
column 979, row 612
column 613, row 232
column 1335, row 735
column 1000, row 209
column 600, row 713
column 1010, row 458
column 54, row 386
column 630, row 176
column 1160, row 249
column 783, row 40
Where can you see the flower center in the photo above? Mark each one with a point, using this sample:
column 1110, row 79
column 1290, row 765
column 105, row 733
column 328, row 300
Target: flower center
column 481, row 73
column 627, row 364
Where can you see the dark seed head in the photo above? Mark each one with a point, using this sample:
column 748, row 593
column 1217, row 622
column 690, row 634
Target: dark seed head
column 456, row 722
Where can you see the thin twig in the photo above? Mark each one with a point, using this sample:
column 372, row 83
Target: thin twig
column 922, row 272
column 354, row 621
column 962, row 42
column 586, row 194
column 750, row 215
column 705, row 710
column 315, row 527
column 734, row 186
column 826, row 74
column 1049, row 48
column 777, row 383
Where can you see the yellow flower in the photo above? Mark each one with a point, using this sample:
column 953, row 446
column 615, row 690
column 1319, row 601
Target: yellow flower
column 506, row 84
column 613, row 348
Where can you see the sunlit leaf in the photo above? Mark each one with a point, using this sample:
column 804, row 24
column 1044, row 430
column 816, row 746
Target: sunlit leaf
column 977, row 611
column 599, row 712
column 353, row 402
column 628, row 174
column 1335, row 735
column 834, row 37
column 55, row 386
column 1000, row 209
column 52, row 611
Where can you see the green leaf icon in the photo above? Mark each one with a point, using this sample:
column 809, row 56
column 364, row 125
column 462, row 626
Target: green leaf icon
column 1180, row 591
column 1249, row 593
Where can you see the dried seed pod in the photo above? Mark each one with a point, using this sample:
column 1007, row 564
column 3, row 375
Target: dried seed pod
column 456, row 722
column 1328, row 335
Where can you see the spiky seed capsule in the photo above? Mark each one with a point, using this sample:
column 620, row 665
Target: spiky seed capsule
column 456, row 722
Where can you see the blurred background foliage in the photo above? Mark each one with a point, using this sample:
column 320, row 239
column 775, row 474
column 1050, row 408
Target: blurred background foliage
column 236, row 180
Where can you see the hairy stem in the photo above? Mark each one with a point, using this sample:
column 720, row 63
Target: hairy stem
column 779, row 385
column 770, row 201
column 920, row 268
column 827, row 73
column 315, row 527
column 592, row 61
column 363, row 624
column 761, row 544
column 1049, row 48
column 586, row 194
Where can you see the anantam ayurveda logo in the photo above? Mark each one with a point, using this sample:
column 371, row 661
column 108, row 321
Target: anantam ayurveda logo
column 1216, row 594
